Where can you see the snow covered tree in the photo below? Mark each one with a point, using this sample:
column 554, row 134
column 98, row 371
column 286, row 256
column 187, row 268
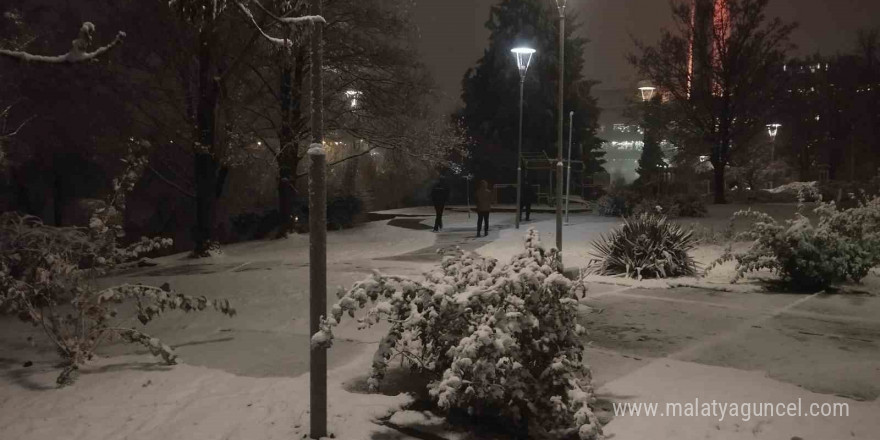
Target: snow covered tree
column 496, row 340
column 377, row 95
column 491, row 101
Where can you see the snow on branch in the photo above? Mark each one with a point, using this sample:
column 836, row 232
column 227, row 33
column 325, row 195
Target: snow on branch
column 284, row 42
column 291, row 20
column 78, row 52
column 303, row 19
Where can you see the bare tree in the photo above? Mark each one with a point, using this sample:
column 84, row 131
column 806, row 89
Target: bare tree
column 720, row 69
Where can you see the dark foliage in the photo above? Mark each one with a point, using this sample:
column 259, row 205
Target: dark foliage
column 647, row 246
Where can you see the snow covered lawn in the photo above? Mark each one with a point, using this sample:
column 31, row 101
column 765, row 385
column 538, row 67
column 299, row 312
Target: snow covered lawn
column 130, row 397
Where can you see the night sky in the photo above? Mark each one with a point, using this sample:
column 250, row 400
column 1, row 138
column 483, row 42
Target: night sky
column 453, row 36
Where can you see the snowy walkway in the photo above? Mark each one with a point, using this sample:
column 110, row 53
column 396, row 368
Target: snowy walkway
column 245, row 377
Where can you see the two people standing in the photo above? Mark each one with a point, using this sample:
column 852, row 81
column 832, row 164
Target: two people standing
column 483, row 197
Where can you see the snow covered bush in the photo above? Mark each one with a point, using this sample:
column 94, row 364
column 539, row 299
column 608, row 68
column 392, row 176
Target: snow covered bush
column 498, row 340
column 48, row 278
column 842, row 245
column 646, row 246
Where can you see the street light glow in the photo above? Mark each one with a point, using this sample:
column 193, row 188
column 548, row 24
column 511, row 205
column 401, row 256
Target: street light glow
column 773, row 129
column 353, row 95
column 523, row 59
column 647, row 90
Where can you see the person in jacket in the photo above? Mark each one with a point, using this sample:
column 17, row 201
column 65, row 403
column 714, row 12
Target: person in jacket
column 528, row 197
column 439, row 195
column 484, row 206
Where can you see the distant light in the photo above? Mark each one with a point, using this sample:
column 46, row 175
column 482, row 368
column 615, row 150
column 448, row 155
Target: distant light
column 773, row 129
column 353, row 95
column 259, row 143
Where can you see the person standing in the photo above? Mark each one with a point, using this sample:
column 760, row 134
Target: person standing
column 528, row 197
column 439, row 195
column 484, row 206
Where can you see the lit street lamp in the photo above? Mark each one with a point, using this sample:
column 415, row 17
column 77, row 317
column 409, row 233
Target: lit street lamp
column 523, row 60
column 773, row 130
column 560, row 5
column 647, row 93
column 647, row 90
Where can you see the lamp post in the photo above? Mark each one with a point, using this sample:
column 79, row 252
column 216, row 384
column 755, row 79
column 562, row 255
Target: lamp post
column 568, row 179
column 523, row 60
column 647, row 92
column 772, row 130
column 560, row 5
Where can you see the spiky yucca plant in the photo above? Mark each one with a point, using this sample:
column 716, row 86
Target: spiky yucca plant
column 646, row 246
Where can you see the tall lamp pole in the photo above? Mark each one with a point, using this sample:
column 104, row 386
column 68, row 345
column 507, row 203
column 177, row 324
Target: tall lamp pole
column 523, row 60
column 317, row 232
column 647, row 92
column 772, row 130
column 560, row 5
column 568, row 178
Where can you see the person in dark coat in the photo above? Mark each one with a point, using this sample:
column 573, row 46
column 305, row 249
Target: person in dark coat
column 439, row 195
column 528, row 197
column 484, row 206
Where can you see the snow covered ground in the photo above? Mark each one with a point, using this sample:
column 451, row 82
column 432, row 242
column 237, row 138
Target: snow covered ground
column 246, row 377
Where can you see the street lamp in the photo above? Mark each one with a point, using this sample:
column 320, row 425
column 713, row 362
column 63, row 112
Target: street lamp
column 772, row 130
column 353, row 96
column 647, row 90
column 523, row 60
column 560, row 5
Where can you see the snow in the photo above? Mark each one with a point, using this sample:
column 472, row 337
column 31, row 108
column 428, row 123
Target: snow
column 278, row 41
column 77, row 53
column 671, row 381
column 317, row 150
column 303, row 19
column 129, row 397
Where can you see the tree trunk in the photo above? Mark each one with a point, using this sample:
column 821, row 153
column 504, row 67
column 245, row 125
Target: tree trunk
column 719, row 183
column 288, row 155
column 209, row 175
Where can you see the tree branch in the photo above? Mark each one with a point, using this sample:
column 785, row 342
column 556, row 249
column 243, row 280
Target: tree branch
column 77, row 53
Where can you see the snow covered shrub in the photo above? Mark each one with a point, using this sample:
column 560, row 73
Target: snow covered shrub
column 498, row 340
column 688, row 205
column 48, row 274
column 646, row 246
column 842, row 245
column 617, row 203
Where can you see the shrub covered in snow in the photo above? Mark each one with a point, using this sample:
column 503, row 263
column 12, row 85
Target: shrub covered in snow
column 646, row 246
column 498, row 340
column 48, row 274
column 842, row 245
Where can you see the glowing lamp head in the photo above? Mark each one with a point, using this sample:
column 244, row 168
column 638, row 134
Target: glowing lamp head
column 353, row 96
column 647, row 90
column 773, row 130
column 523, row 59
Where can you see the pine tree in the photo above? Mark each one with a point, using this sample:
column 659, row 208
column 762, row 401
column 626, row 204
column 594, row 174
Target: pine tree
column 491, row 98
column 651, row 162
